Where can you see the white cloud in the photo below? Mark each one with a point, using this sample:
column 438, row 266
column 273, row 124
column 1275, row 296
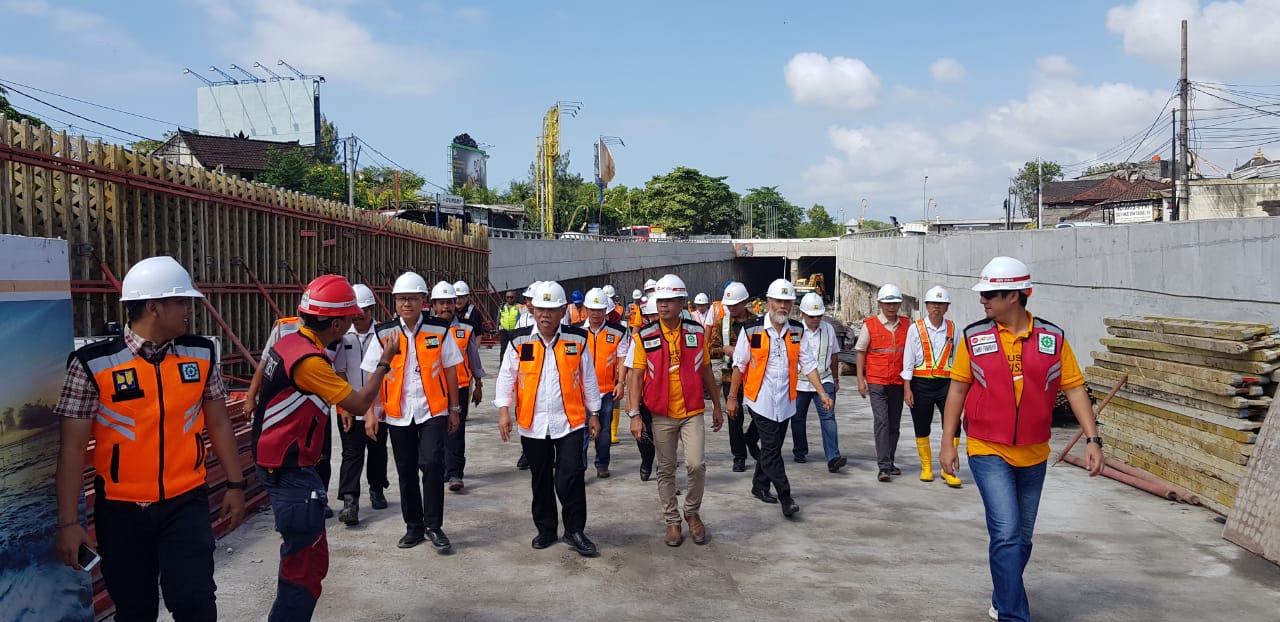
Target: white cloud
column 1227, row 39
column 1055, row 68
column 839, row 82
column 325, row 40
column 947, row 70
column 86, row 26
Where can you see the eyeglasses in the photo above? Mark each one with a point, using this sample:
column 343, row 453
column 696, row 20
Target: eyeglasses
column 992, row 294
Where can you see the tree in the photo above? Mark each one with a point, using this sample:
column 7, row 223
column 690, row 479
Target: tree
column 328, row 151
column 772, row 215
column 819, row 224
column 147, row 146
column 376, row 186
column 687, row 201
column 1027, row 184
column 8, row 112
column 326, row 182
column 286, row 168
column 1096, row 169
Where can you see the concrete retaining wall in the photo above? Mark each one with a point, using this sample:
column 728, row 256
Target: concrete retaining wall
column 1213, row 269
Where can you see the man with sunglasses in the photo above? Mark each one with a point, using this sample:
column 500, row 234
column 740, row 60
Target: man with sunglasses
column 507, row 316
column 1005, row 381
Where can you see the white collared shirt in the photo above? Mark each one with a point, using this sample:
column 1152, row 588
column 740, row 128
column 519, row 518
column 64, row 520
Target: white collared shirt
column 774, row 400
column 913, row 356
column 549, row 418
column 413, row 396
column 350, row 355
column 824, row 344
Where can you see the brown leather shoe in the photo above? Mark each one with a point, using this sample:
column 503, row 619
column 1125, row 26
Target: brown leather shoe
column 697, row 530
column 674, row 536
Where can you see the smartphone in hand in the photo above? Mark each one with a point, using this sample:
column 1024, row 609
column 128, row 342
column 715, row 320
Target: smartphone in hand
column 88, row 558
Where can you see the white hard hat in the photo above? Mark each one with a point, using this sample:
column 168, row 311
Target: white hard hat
column 670, row 286
column 549, row 295
column 157, row 277
column 410, row 283
column 811, row 304
column 1004, row 273
column 443, row 291
column 889, row 293
column 937, row 293
column 781, row 289
column 636, row 294
column 609, row 291
column 596, row 299
column 701, row 299
column 364, row 296
column 650, row 306
column 650, row 284
column 735, row 293
column 528, row 291
column 461, row 288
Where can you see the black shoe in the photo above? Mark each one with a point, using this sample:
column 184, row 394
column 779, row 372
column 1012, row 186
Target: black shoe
column 411, row 538
column 439, row 541
column 522, row 463
column 645, row 473
column 377, row 498
column 895, row 471
column 328, row 512
column 837, row 464
column 542, row 541
column 580, row 543
column 350, row 514
column 763, row 495
column 455, row 484
column 801, row 459
column 789, row 508
column 739, row 465
column 883, row 476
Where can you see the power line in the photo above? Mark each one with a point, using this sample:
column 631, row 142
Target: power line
column 78, row 116
column 396, row 164
column 11, row 84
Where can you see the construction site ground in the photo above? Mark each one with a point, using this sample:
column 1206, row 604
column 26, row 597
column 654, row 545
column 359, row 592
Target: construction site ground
column 858, row 549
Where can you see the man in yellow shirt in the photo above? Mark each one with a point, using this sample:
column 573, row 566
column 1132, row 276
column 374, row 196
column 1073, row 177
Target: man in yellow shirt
column 675, row 355
column 1005, row 381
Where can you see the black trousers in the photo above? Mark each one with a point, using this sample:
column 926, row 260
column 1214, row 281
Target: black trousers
column 557, row 469
column 170, row 541
column 323, row 466
column 419, row 447
column 645, row 444
column 930, row 394
column 455, row 446
column 741, row 442
column 770, row 469
column 356, row 446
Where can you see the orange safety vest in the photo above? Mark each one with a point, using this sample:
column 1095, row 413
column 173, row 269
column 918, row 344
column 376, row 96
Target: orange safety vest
column 758, row 340
column 939, row 367
column 636, row 317
column 604, row 354
column 577, row 314
column 715, row 313
column 530, row 352
column 462, row 332
column 884, row 354
column 149, row 426
column 427, row 341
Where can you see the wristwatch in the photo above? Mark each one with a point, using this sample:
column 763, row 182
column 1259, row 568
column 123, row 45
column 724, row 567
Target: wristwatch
column 455, row 409
column 633, row 413
column 240, row 485
column 382, row 365
column 1097, row 440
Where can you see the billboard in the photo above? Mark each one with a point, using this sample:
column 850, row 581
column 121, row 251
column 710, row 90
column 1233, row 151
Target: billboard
column 280, row 110
column 469, row 166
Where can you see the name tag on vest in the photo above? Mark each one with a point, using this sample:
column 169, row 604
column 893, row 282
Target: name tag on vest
column 985, row 348
column 980, row 339
column 460, row 333
column 433, row 342
column 691, row 341
column 571, row 349
column 126, row 383
column 795, row 337
column 610, row 338
column 652, row 344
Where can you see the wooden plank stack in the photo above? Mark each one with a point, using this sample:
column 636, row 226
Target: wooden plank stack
column 1197, row 393
column 1254, row 522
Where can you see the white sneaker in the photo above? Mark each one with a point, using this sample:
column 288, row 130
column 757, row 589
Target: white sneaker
column 993, row 614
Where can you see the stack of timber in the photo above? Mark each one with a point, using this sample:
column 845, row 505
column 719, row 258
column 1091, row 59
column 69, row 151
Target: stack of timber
column 1197, row 394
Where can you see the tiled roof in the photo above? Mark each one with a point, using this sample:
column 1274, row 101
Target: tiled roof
column 1056, row 192
column 1141, row 190
column 242, row 154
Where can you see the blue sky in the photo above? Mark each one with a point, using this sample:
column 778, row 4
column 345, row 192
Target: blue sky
column 34, row 370
column 831, row 101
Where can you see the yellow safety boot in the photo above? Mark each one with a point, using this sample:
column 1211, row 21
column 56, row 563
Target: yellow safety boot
column 613, row 428
column 952, row 480
column 926, row 458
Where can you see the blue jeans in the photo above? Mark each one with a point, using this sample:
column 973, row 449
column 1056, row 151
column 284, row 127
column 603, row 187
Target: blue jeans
column 826, row 420
column 1011, row 496
column 603, row 441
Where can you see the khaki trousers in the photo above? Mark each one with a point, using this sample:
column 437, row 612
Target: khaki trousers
column 668, row 433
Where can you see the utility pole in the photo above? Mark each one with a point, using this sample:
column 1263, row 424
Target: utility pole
column 1173, row 198
column 1185, row 161
column 924, row 196
column 1039, row 194
column 351, row 171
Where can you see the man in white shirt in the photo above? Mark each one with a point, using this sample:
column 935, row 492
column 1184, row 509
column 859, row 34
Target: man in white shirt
column 767, row 360
column 548, row 377
column 644, row 443
column 525, row 320
column 926, row 373
column 820, row 336
column 355, row 444
column 419, row 402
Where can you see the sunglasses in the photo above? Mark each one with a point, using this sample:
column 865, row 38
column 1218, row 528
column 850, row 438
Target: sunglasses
column 992, row 294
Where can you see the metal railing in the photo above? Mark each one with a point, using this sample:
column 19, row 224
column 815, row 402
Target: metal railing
column 521, row 234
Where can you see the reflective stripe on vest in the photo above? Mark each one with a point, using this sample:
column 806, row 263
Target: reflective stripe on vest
column 289, row 423
column 759, row 341
column 604, row 354
column 656, row 389
column 507, row 316
column 824, row 352
column 461, row 333
column 531, row 355
column 884, row 354
column 939, row 366
column 427, row 341
column 150, row 420
column 992, row 411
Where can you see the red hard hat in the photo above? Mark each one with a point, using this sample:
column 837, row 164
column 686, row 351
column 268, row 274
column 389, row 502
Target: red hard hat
column 329, row 296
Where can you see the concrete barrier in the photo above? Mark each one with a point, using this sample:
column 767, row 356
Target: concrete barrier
column 1214, row 269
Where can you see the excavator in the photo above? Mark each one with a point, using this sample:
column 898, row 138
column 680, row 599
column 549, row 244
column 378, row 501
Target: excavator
column 813, row 283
